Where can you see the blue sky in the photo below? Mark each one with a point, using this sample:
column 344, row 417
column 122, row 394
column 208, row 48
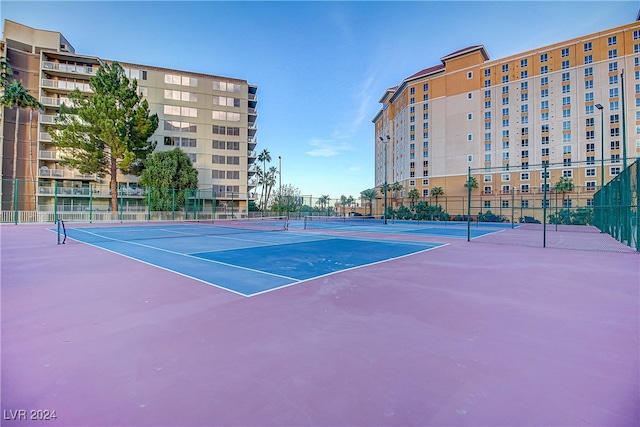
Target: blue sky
column 321, row 67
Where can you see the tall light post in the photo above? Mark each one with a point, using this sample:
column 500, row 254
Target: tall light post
column 280, row 186
column 384, row 188
column 601, row 108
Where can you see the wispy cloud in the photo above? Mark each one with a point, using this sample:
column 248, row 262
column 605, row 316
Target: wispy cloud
column 329, row 147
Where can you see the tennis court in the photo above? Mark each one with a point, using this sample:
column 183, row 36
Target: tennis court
column 406, row 329
column 245, row 257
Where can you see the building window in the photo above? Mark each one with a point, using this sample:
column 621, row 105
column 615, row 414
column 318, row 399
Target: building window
column 588, row 59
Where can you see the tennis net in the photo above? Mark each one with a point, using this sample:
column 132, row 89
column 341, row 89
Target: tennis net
column 338, row 221
column 171, row 230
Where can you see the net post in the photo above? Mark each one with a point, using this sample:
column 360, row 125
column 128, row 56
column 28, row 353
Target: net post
column 58, row 223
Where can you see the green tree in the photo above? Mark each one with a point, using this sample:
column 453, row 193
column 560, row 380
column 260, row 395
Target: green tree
column 396, row 187
column 369, row 195
column 287, row 199
column 166, row 172
column 264, row 157
column 437, row 191
column 270, row 181
column 323, row 201
column 563, row 186
column 16, row 96
column 471, row 183
column 413, row 196
column 107, row 131
column 345, row 201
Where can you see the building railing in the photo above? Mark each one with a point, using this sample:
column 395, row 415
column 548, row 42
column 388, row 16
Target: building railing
column 70, row 68
column 67, row 85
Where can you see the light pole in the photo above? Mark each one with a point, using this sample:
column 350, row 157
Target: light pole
column 384, row 188
column 280, row 186
column 601, row 108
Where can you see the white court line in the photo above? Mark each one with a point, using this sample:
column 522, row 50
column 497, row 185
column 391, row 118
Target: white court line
column 295, row 281
column 185, row 255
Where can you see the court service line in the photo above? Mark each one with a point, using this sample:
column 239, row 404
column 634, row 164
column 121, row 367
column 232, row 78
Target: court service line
column 185, row 255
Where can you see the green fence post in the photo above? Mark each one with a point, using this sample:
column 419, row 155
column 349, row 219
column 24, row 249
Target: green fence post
column 469, row 204
column 173, row 204
column 55, row 201
column 90, row 203
column 544, row 209
column 148, row 204
column 637, row 167
column 513, row 205
column 556, row 202
column 119, row 187
column 15, row 201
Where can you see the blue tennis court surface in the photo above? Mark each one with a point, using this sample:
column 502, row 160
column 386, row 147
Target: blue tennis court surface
column 246, row 262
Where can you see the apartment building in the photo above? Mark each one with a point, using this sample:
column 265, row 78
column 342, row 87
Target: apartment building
column 211, row 118
column 571, row 108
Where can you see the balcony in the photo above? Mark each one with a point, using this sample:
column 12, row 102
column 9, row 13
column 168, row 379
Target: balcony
column 47, row 119
column 45, row 172
column 48, row 155
column 49, row 101
column 44, row 136
column 70, row 69
column 66, row 85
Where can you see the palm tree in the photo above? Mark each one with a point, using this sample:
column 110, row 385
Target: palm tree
column 564, row 185
column 323, row 201
column 413, row 196
column 270, row 181
column 343, row 201
column 16, row 96
column 437, row 191
column 264, row 157
column 370, row 195
column 471, row 183
column 395, row 187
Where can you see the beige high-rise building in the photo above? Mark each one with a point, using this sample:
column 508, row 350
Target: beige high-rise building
column 211, row 118
column 507, row 119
